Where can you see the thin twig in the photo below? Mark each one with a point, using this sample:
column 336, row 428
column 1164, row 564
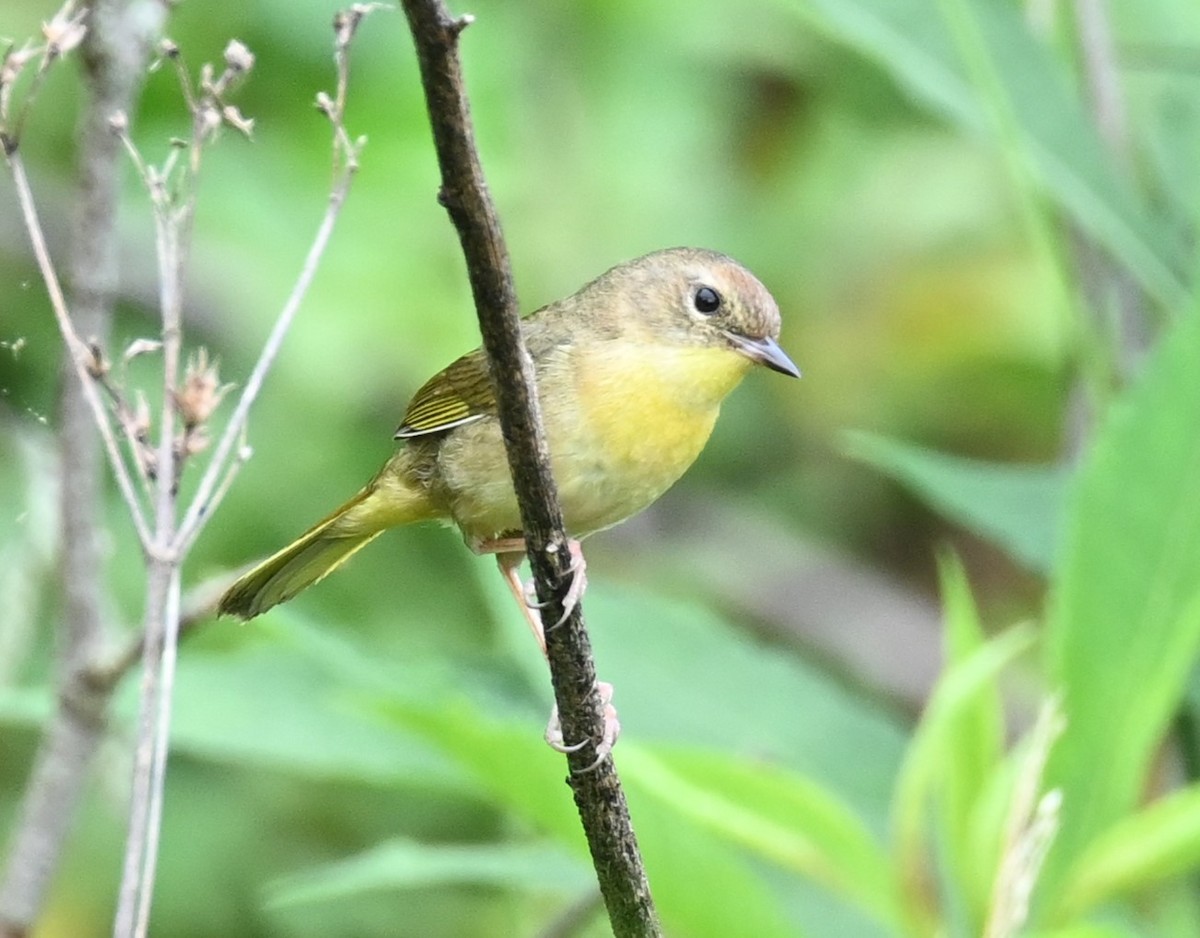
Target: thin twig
column 134, row 438
column 1103, row 76
column 207, row 494
column 211, row 488
column 159, row 747
column 77, row 349
column 137, row 878
column 198, row 605
column 174, row 210
column 598, row 794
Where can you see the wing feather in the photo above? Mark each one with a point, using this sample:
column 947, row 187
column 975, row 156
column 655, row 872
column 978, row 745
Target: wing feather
column 459, row 394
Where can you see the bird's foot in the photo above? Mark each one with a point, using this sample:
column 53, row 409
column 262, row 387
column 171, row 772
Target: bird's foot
column 608, row 737
column 577, row 571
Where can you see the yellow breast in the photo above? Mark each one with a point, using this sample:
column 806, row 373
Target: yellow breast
column 641, row 416
column 623, row 422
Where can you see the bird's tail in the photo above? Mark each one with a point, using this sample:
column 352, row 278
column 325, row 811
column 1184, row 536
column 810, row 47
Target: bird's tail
column 324, row 547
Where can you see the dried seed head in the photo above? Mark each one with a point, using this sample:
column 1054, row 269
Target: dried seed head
column 209, row 121
column 11, row 66
column 201, row 392
column 344, row 24
column 14, row 61
column 65, row 31
column 238, row 57
column 195, row 442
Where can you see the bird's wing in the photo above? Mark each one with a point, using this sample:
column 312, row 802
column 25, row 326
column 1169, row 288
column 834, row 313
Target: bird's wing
column 456, row 395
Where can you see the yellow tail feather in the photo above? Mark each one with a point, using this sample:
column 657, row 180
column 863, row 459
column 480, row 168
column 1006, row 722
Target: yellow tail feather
column 322, row 549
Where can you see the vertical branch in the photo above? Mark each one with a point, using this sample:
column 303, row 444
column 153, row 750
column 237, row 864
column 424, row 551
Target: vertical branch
column 598, row 794
column 182, row 408
column 173, row 214
column 161, row 630
column 115, row 52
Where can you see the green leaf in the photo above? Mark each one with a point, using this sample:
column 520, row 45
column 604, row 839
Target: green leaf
column 406, row 864
column 1124, row 621
column 1160, row 841
column 702, row 886
column 1086, row 930
column 942, row 730
column 1027, row 97
column 1018, row 508
column 270, row 701
column 974, row 748
column 780, row 816
column 684, row 676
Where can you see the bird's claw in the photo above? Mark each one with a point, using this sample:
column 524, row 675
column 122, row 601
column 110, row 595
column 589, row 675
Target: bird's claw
column 608, row 737
column 577, row 571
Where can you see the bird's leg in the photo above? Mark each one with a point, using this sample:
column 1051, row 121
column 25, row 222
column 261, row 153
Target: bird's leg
column 510, row 551
column 509, row 562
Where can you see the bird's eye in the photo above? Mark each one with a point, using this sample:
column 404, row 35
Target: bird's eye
column 707, row 301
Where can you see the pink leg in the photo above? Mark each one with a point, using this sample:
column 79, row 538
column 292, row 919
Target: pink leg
column 510, row 563
column 510, row 552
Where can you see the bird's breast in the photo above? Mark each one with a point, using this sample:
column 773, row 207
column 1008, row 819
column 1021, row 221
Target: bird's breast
column 639, row 418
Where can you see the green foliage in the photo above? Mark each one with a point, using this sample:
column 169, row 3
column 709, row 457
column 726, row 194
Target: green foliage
column 1016, row 507
column 406, row 864
column 913, row 181
column 980, row 65
column 1123, row 625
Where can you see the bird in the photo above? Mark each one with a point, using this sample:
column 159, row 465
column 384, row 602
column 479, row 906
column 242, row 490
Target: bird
column 631, row 371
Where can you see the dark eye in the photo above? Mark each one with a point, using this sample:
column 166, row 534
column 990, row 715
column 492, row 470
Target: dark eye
column 707, row 301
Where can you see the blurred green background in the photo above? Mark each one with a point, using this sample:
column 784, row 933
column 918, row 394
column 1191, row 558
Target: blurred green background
column 778, row 606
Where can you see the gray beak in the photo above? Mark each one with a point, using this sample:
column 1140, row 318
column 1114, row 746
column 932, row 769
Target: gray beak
column 765, row 351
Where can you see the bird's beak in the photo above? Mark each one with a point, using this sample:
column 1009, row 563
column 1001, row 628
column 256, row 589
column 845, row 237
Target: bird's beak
column 765, row 351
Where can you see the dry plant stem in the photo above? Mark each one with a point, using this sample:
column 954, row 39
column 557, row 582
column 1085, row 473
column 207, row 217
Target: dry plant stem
column 114, row 54
column 77, row 350
column 162, row 624
column 464, row 193
column 225, row 460
column 145, row 816
column 161, row 620
column 73, row 735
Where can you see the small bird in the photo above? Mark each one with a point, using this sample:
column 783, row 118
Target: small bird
column 631, row 372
